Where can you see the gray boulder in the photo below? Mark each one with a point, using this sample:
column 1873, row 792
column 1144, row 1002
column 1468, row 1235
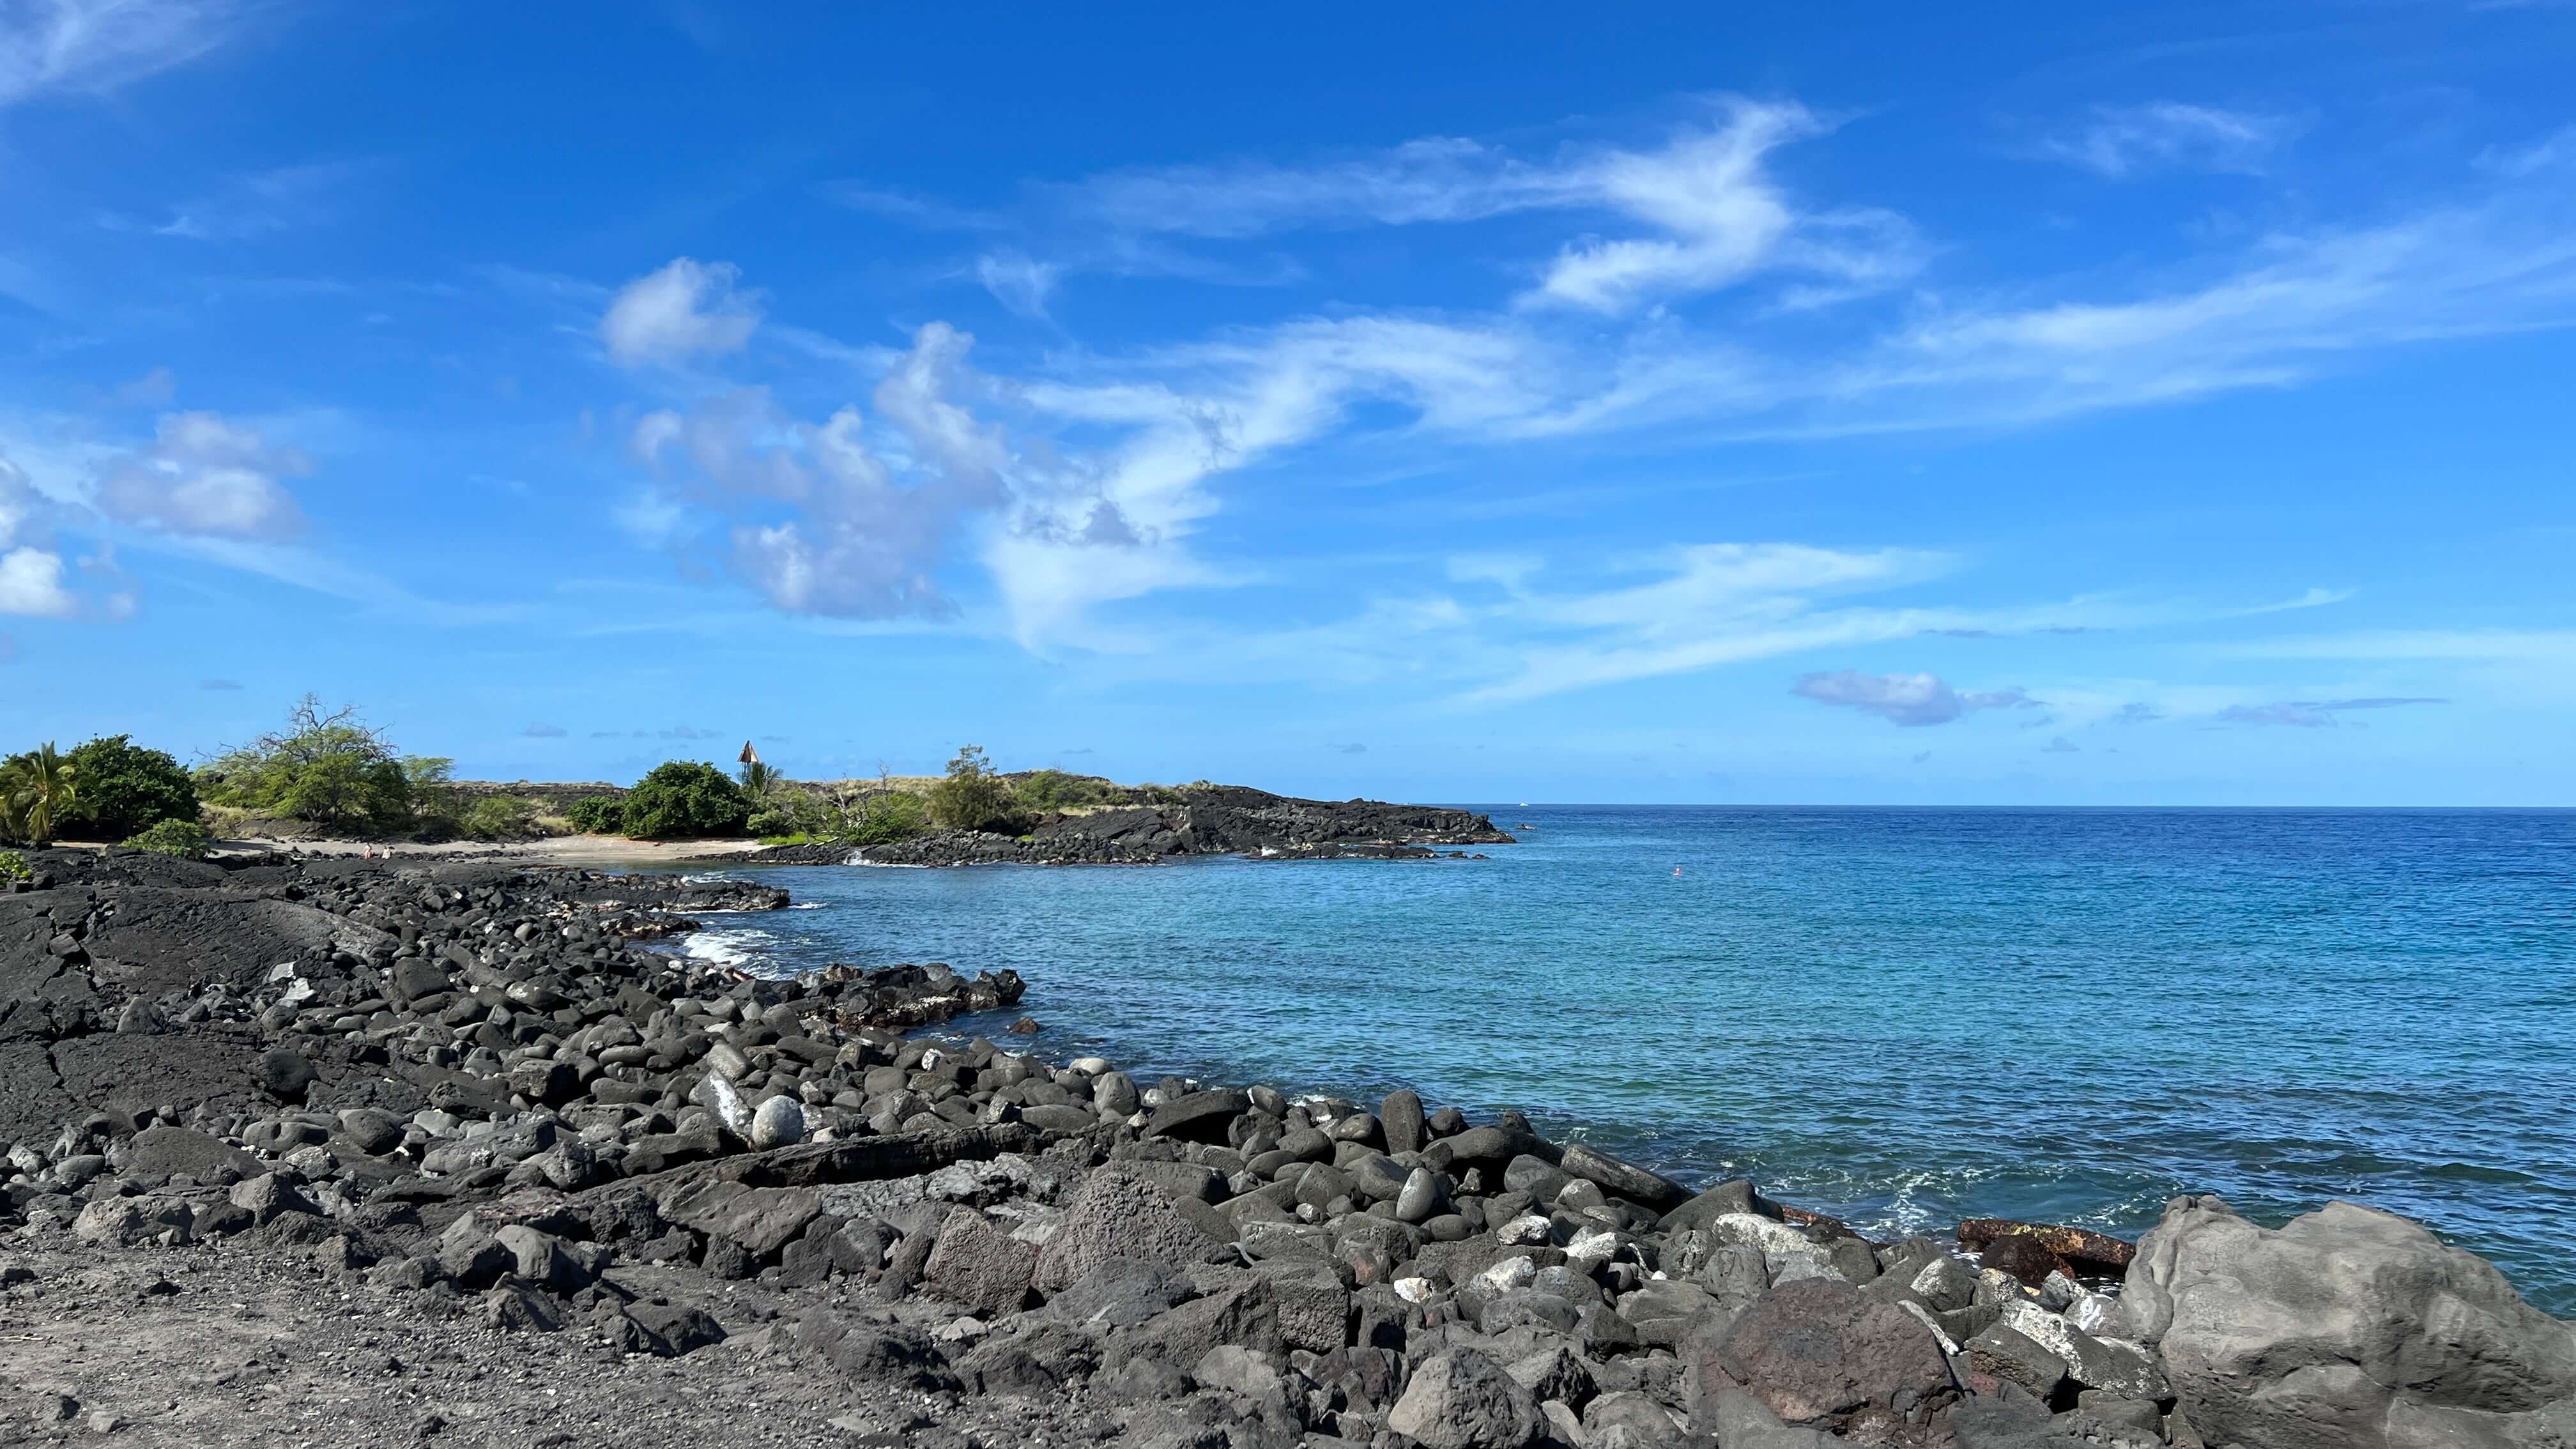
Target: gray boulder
column 1197, row 1117
column 1735, row 1195
column 1463, row 1399
column 1244, row 1313
column 1630, row 1421
column 1120, row 1293
column 2347, row 1329
column 1741, row 1421
column 1626, row 1179
column 1118, row 1215
column 184, row 1151
column 1400, row 1115
column 978, row 1267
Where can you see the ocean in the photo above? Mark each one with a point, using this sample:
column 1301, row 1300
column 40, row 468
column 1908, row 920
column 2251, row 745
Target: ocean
column 1899, row 1016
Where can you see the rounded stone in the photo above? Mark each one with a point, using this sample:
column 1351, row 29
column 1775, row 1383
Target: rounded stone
column 780, row 1122
column 1425, row 1196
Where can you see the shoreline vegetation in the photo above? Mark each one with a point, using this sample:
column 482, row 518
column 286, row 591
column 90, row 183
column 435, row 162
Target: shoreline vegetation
column 475, row 1103
column 329, row 783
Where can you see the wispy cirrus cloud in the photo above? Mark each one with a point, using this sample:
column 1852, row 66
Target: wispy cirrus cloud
column 257, row 205
column 2119, row 141
column 1701, row 209
column 96, row 46
column 2314, row 713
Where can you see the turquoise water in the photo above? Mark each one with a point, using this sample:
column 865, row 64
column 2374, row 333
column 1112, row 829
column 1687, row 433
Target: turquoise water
column 1899, row 1016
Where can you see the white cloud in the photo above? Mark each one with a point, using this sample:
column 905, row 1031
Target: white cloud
column 1912, row 700
column 1707, row 211
column 2121, row 140
column 98, row 45
column 1720, row 218
column 651, row 517
column 671, row 315
column 1017, row 281
column 867, row 519
column 1109, row 470
column 31, row 583
column 204, row 476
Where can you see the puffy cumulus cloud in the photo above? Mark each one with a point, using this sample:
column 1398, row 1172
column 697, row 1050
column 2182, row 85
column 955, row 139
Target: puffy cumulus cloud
column 855, row 515
column 31, row 578
column 31, row 583
column 205, row 476
column 1912, row 700
column 685, row 309
column 2314, row 713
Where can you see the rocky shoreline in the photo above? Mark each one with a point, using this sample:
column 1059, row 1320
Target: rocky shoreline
column 371, row 1152
column 1206, row 820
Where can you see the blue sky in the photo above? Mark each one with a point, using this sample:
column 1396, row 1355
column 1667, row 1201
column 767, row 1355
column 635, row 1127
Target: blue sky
column 2087, row 405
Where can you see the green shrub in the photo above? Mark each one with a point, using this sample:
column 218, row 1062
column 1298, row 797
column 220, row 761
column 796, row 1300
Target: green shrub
column 883, row 817
column 786, row 809
column 13, row 866
column 499, row 817
column 685, row 798
column 1055, row 790
column 126, row 789
column 598, row 815
column 185, row 839
column 972, row 797
column 324, row 768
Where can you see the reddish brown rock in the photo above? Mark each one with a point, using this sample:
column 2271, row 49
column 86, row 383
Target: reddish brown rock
column 1819, row 1354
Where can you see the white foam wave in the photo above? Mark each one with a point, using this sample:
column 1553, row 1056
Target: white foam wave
column 727, row 948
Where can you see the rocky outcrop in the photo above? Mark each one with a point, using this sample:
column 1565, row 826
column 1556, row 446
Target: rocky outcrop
column 1190, row 820
column 2346, row 1329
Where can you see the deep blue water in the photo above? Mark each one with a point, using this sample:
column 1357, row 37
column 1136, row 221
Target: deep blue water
column 1900, row 1016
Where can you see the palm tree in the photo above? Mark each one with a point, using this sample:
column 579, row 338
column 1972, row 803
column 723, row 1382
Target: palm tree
column 35, row 791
